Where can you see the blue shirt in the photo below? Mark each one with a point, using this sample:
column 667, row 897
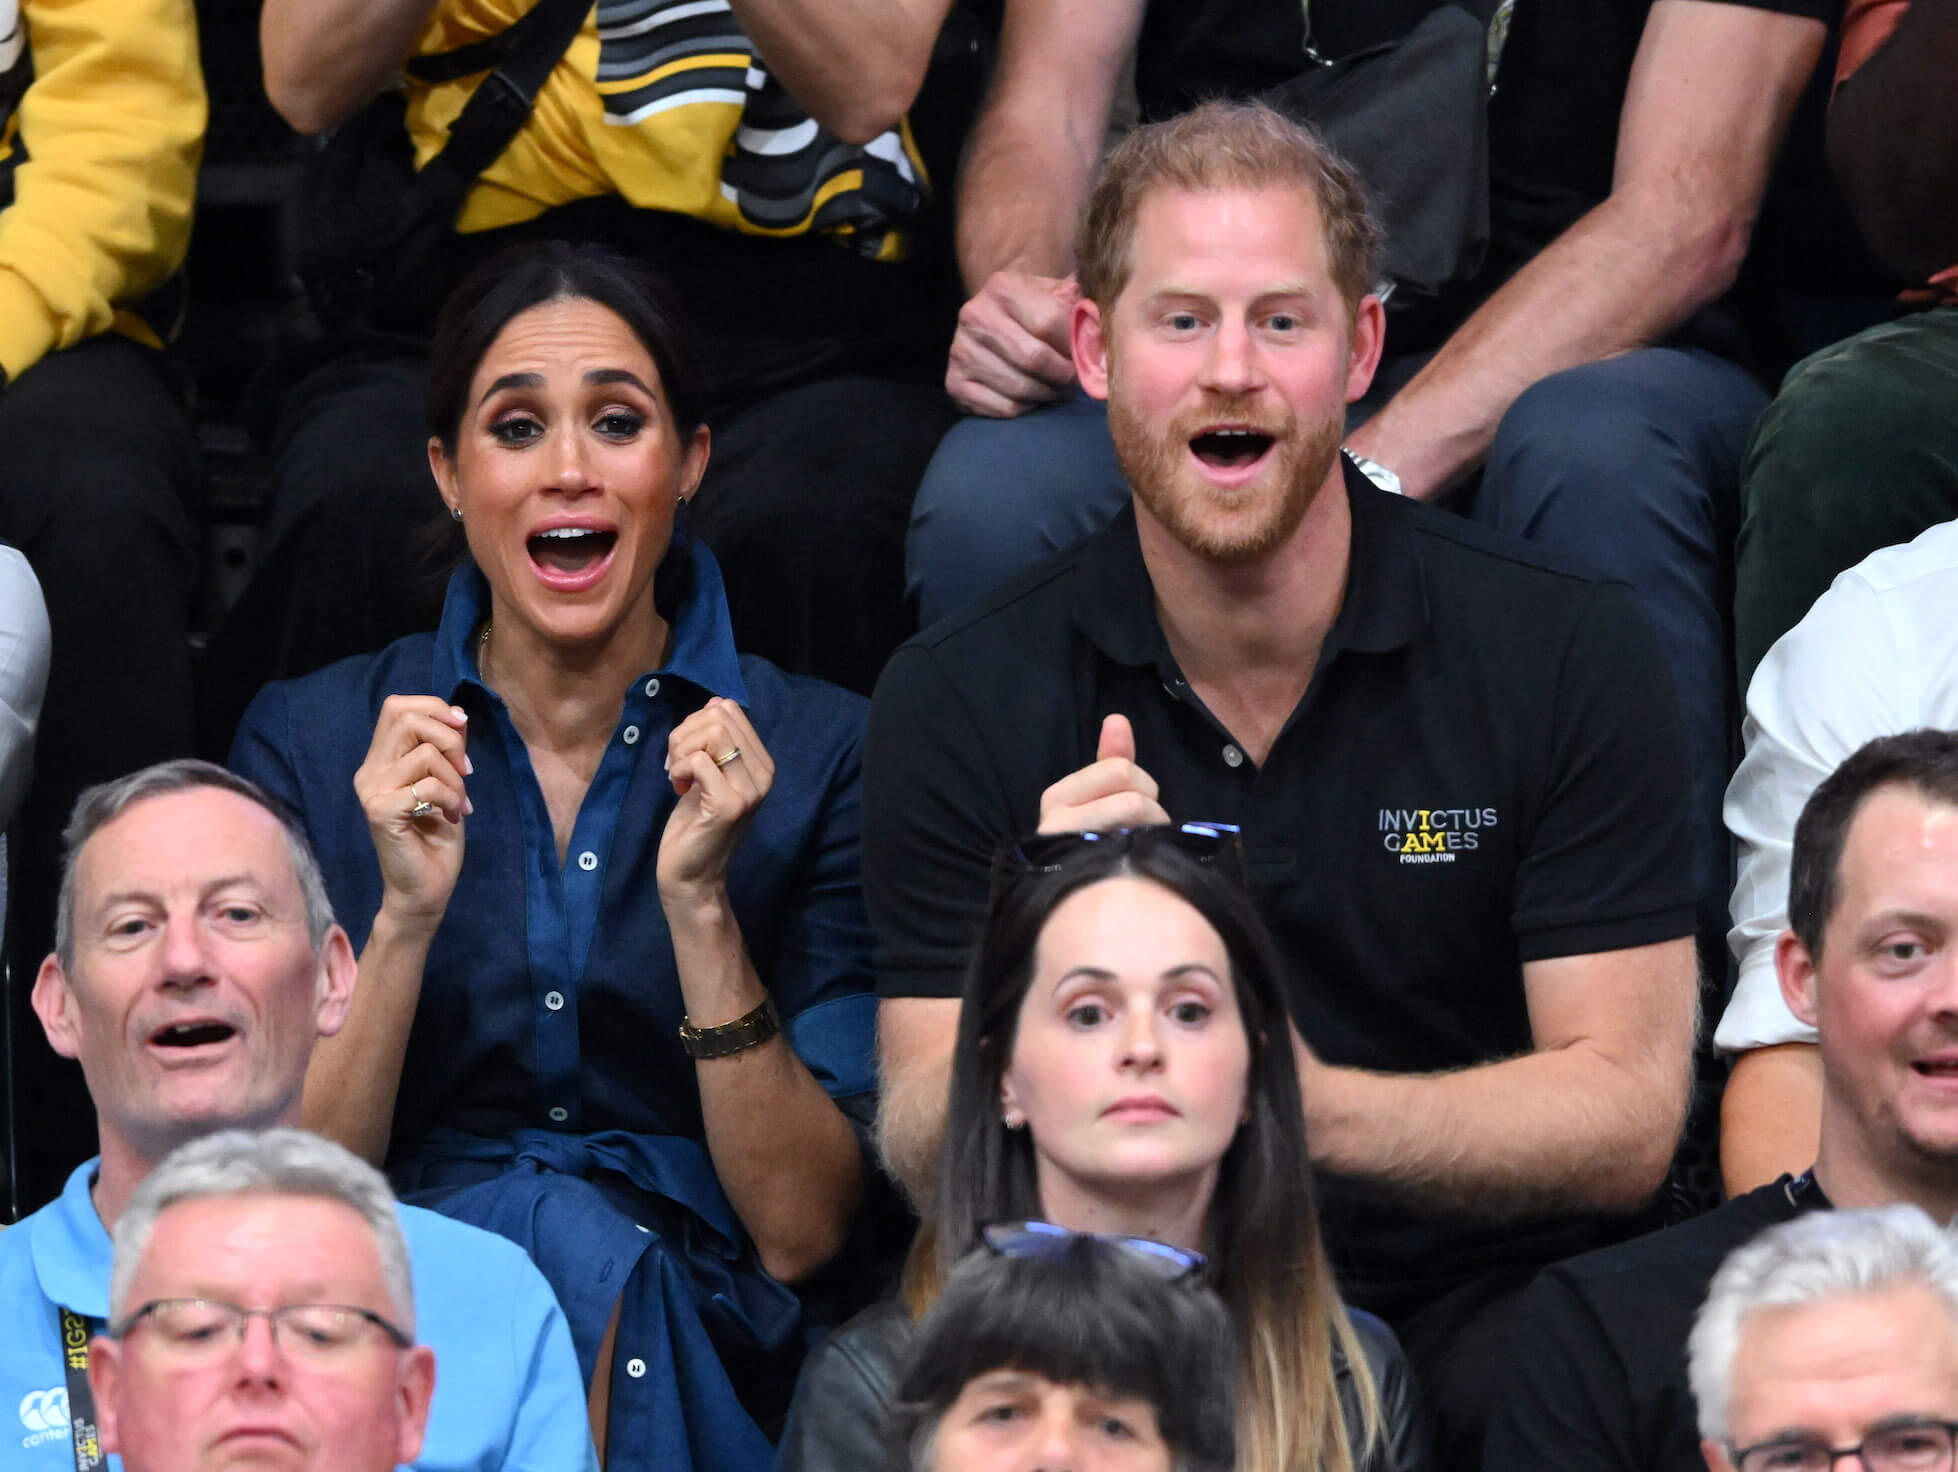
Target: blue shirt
column 507, row 1393
column 550, row 1000
column 545, row 1094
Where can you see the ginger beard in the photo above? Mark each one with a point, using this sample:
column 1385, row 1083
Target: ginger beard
column 1227, row 524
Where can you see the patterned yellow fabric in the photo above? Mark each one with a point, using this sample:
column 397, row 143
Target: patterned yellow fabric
column 664, row 103
column 101, row 127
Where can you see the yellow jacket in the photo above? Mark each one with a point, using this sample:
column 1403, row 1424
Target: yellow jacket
column 102, row 114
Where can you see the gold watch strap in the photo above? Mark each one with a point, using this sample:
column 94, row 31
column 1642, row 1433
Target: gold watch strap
column 744, row 1032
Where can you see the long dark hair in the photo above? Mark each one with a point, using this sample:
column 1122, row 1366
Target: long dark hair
column 529, row 274
column 1267, row 1259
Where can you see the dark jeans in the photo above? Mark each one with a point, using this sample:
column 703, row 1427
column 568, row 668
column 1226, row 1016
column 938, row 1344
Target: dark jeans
column 1631, row 467
column 1859, row 451
column 98, row 482
column 804, row 503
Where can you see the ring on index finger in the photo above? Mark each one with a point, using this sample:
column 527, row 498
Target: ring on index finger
column 733, row 753
column 420, row 809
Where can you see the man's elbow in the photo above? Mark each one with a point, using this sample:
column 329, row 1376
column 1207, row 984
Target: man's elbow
column 1632, row 1171
column 1711, row 250
column 307, row 109
column 876, row 102
column 790, row 1258
column 1701, row 241
column 313, row 99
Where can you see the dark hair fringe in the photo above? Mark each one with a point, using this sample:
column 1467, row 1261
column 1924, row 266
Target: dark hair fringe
column 1084, row 1314
column 512, row 281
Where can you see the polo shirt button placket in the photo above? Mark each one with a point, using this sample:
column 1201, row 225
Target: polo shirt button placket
column 558, row 1113
column 588, row 861
column 554, row 1001
column 1232, row 756
column 630, row 735
column 636, row 1368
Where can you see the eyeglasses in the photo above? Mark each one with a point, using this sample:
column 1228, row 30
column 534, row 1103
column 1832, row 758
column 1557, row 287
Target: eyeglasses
column 200, row 1331
column 1903, row 1446
column 1043, row 1239
column 1043, row 853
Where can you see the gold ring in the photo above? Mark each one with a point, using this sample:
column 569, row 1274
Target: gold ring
column 731, row 754
column 420, row 809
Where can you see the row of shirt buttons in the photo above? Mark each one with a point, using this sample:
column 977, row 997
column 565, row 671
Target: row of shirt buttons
column 554, row 1000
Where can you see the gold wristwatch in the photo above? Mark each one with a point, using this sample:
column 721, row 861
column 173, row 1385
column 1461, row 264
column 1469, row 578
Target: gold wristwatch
column 747, row 1031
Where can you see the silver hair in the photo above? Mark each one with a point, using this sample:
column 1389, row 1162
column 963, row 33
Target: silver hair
column 280, row 1162
column 1823, row 1255
column 103, row 803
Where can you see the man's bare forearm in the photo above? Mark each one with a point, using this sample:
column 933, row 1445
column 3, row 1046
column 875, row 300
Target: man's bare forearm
column 855, row 65
column 1019, row 198
column 1770, row 1115
column 1559, row 1130
column 1616, row 280
column 1891, row 127
column 324, row 58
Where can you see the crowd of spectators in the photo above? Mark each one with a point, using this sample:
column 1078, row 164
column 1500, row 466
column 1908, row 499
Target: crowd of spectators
column 1252, row 864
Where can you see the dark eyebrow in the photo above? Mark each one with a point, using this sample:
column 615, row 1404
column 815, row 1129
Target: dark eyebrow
column 512, row 380
column 599, row 376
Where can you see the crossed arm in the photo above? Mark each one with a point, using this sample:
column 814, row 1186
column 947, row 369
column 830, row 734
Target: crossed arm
column 1587, row 1120
column 856, row 65
column 1711, row 92
column 1027, row 171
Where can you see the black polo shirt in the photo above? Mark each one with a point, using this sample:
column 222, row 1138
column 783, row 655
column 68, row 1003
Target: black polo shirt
column 1486, row 769
column 1596, row 1347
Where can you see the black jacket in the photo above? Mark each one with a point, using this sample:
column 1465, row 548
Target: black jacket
column 837, row 1421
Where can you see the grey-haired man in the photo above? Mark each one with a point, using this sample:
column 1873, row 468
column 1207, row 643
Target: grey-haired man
column 196, row 963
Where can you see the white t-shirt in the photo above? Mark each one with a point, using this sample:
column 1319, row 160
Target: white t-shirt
column 1877, row 654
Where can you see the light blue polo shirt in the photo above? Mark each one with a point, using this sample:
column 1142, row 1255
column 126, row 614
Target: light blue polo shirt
column 508, row 1396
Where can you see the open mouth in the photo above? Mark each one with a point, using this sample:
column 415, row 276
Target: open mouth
column 192, row 1034
column 571, row 549
column 1937, row 1067
column 1230, row 449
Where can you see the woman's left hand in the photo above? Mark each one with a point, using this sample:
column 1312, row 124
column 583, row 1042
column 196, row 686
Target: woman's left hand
column 718, row 795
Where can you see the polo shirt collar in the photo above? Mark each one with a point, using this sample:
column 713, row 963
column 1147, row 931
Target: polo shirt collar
column 1386, row 602
column 71, row 1247
column 703, row 638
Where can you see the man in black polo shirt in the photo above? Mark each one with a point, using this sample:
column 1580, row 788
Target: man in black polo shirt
column 1599, row 1343
column 1457, row 767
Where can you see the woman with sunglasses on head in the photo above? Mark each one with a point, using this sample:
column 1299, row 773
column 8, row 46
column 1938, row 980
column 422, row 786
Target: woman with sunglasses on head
column 1067, row 1349
column 1124, row 1067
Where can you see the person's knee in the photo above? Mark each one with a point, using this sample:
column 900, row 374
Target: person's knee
column 1649, row 440
column 1837, row 414
column 1000, row 494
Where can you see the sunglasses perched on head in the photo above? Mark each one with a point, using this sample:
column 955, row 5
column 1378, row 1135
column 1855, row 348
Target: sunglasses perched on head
column 1043, row 1239
column 1044, row 853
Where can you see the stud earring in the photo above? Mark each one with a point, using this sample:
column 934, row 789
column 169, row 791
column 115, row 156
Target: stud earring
column 456, row 512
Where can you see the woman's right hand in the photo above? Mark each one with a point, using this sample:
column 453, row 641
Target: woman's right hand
column 417, row 755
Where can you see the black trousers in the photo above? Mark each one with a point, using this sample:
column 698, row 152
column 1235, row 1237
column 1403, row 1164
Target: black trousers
column 805, row 504
column 99, row 478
